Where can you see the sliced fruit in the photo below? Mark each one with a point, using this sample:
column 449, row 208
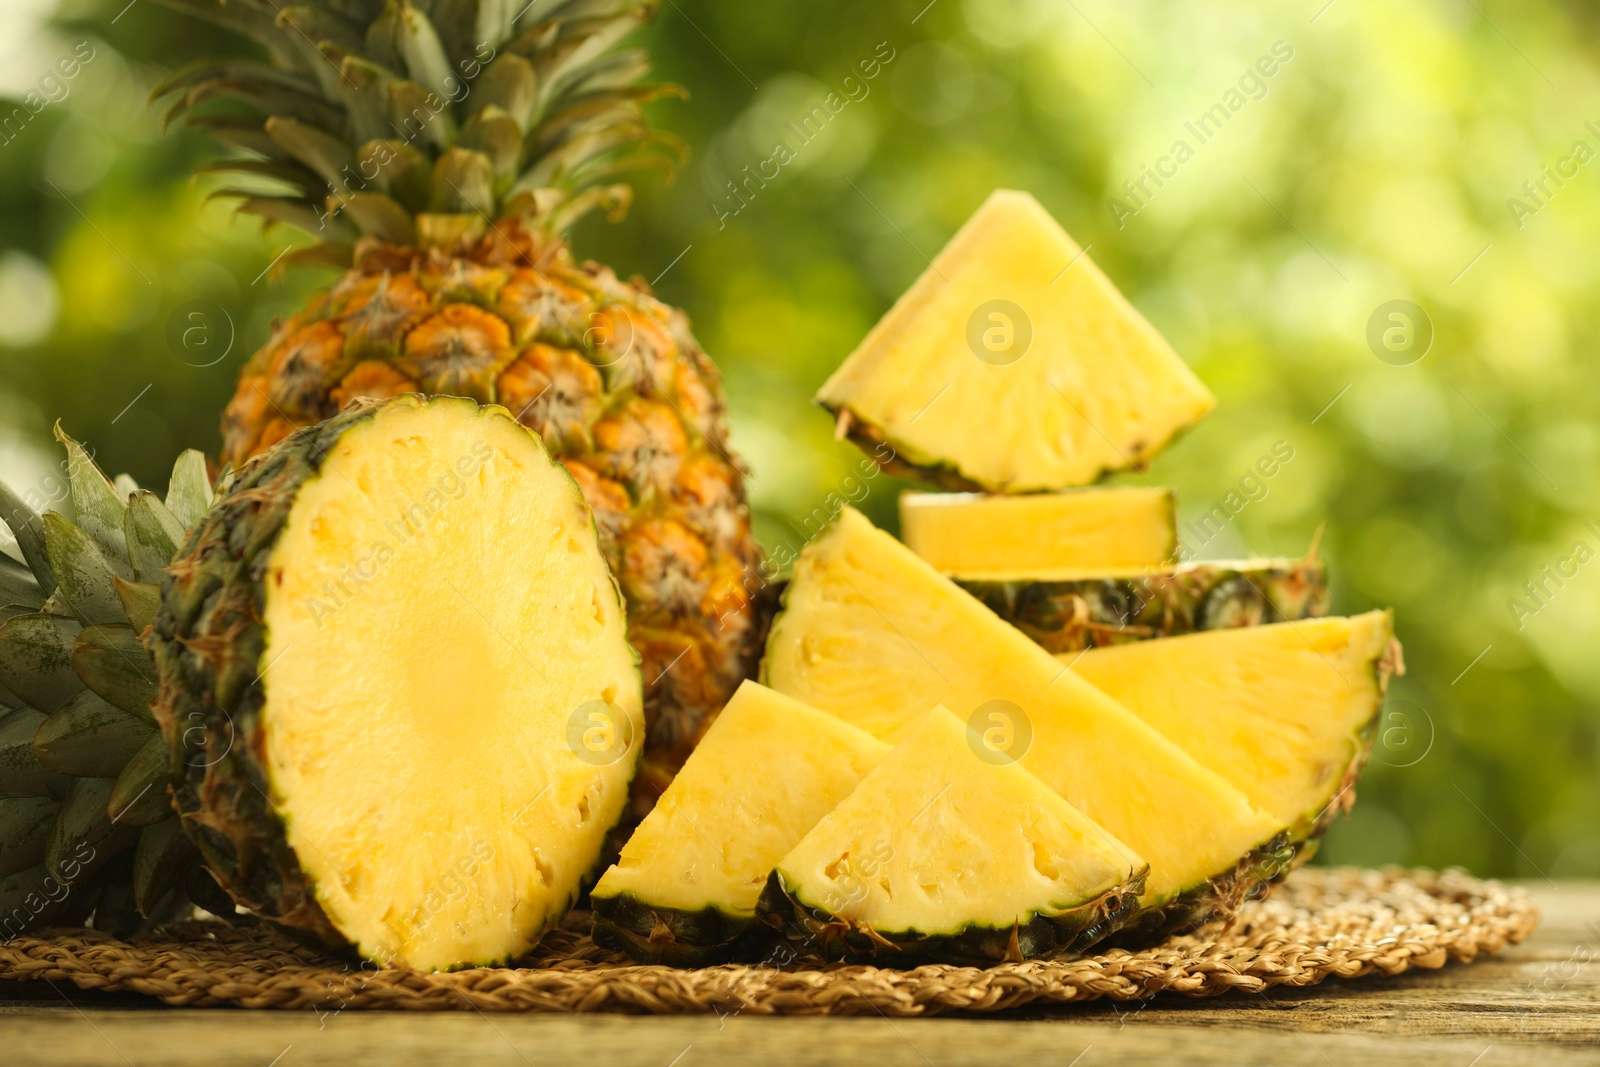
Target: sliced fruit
column 1013, row 364
column 395, row 679
column 874, row 635
column 685, row 888
column 1075, row 534
column 946, row 853
column 1071, row 615
column 1285, row 712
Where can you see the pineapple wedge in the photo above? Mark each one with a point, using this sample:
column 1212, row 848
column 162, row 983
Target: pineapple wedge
column 1041, row 536
column 874, row 635
column 1013, row 364
column 943, row 854
column 1285, row 712
column 684, row 890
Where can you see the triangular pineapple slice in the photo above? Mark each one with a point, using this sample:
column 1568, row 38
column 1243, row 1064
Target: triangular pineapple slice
column 685, row 887
column 1014, row 364
column 874, row 635
column 1042, row 536
column 944, row 853
column 1285, row 712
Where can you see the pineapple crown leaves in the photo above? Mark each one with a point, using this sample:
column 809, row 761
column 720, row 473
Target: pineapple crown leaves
column 422, row 122
column 76, row 684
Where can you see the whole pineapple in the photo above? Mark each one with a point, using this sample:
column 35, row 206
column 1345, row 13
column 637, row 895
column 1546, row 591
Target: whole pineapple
column 438, row 151
column 87, row 826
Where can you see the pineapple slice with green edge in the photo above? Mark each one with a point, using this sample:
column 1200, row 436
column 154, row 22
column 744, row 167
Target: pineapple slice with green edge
column 1286, row 712
column 1042, row 536
column 1069, row 615
column 946, row 853
column 87, row 829
column 685, row 888
column 874, row 635
column 1013, row 364
column 396, row 684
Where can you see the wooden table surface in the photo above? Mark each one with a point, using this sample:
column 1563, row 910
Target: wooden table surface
column 1536, row 1003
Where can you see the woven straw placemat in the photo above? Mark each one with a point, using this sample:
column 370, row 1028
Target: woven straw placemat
column 1322, row 922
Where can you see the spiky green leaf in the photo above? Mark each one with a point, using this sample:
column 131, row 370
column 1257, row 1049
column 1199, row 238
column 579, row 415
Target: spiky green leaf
column 96, row 504
column 29, row 899
column 88, row 738
column 24, row 826
column 509, row 84
column 153, row 534
column 36, row 659
column 18, row 586
column 189, row 491
column 405, row 39
column 28, row 528
column 20, row 772
column 84, row 571
column 114, row 664
column 83, row 838
column 498, row 136
column 463, row 183
column 163, row 856
column 140, row 796
column 141, row 601
column 328, row 156
column 382, row 217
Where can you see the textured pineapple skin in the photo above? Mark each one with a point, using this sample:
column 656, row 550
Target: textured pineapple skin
column 208, row 640
column 813, row 931
column 619, row 390
column 675, row 936
column 1069, row 616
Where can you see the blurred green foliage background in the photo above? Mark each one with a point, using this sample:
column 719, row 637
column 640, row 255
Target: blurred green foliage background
column 1377, row 163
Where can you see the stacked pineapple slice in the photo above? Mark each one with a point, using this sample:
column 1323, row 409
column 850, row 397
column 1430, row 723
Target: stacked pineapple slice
column 1092, row 739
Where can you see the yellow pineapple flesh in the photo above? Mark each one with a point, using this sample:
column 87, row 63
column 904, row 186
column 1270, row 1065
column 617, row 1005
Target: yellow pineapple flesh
column 1013, row 364
column 1042, row 536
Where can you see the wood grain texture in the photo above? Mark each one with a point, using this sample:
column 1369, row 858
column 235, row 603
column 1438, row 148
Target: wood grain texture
column 1536, row 1003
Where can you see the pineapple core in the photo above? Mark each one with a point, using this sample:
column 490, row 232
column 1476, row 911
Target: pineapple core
column 452, row 711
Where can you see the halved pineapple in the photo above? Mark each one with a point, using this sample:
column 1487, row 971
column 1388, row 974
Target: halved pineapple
column 1285, row 712
column 874, row 635
column 1042, row 536
column 1014, row 364
column 685, row 887
column 944, row 853
column 396, row 685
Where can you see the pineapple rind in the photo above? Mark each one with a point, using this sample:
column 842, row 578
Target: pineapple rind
column 679, row 937
column 813, row 930
column 1075, row 614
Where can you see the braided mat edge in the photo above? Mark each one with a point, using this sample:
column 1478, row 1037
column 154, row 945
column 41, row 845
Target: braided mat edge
column 1323, row 922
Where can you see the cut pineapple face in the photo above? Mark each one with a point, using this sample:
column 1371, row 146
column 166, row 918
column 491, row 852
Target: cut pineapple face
column 1044, row 536
column 686, row 884
column 874, row 635
column 948, row 854
column 452, row 710
column 1014, row 364
column 1285, row 712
